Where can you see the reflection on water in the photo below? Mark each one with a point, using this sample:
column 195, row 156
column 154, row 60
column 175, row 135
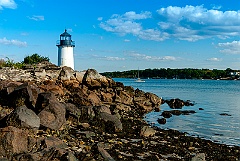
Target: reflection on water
column 215, row 97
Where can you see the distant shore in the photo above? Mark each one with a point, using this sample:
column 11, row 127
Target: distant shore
column 186, row 73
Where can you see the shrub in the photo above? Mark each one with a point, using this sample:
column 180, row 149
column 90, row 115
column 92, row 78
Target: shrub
column 35, row 58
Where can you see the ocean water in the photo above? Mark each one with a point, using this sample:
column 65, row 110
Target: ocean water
column 214, row 96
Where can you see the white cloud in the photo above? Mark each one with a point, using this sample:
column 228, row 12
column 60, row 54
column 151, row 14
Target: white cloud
column 108, row 58
column 36, row 18
column 134, row 16
column 24, row 34
column 18, row 43
column 126, row 40
column 111, row 58
column 214, row 59
column 138, row 56
column 125, row 24
column 190, row 23
column 230, row 47
column 8, row 4
column 100, row 18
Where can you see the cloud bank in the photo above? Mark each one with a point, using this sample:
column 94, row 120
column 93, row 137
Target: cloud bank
column 230, row 47
column 189, row 23
column 8, row 4
column 36, row 18
column 18, row 43
column 138, row 56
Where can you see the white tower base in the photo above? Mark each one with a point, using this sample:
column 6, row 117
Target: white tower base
column 65, row 56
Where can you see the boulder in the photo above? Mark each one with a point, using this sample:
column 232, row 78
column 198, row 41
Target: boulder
column 111, row 120
column 13, row 141
column 125, row 98
column 51, row 86
column 130, row 90
column 147, row 131
column 79, row 76
column 100, row 109
column 66, row 73
column 94, row 80
column 123, row 107
column 106, row 97
column 7, row 87
column 53, row 142
column 22, row 117
column 155, row 100
column 50, row 111
column 175, row 103
column 25, row 94
column 166, row 114
column 95, row 100
column 162, row 121
column 86, row 113
column 72, row 110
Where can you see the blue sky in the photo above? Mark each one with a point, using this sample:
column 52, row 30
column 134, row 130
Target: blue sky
column 118, row 35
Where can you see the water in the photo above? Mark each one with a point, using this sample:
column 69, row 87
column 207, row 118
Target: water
column 214, row 96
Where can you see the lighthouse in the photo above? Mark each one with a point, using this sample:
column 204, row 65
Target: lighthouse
column 65, row 50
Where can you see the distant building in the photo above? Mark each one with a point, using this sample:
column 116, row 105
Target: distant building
column 65, row 50
column 235, row 73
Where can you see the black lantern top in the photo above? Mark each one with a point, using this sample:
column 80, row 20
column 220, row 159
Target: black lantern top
column 65, row 40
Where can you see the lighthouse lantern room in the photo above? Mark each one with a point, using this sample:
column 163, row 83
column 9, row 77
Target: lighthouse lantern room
column 65, row 50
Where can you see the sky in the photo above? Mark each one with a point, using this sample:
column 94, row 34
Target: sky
column 120, row 35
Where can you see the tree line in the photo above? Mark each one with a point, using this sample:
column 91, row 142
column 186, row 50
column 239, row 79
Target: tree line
column 187, row 73
column 30, row 59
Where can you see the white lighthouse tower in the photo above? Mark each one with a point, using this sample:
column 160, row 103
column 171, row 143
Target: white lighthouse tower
column 65, row 50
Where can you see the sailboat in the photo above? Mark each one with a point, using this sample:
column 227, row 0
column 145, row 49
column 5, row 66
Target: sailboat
column 139, row 79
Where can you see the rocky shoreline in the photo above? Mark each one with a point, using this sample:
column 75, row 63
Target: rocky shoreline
column 53, row 113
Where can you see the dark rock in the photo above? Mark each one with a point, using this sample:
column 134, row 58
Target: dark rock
column 72, row 110
column 157, row 109
column 187, row 112
column 130, row 90
column 188, row 103
column 225, row 114
column 105, row 154
column 103, row 108
column 53, row 142
column 155, row 100
column 25, row 94
column 201, row 109
column 175, row 103
column 69, row 156
column 178, row 104
column 113, row 119
column 50, row 111
column 22, row 117
column 162, row 121
column 166, row 114
column 176, row 112
column 13, row 141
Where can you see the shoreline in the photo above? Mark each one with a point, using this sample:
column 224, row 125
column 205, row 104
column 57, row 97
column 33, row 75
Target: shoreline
column 53, row 113
column 170, row 145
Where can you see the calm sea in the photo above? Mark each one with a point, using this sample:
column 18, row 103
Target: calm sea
column 214, row 96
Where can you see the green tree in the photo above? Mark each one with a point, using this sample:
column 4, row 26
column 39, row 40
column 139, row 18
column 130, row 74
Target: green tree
column 35, row 58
